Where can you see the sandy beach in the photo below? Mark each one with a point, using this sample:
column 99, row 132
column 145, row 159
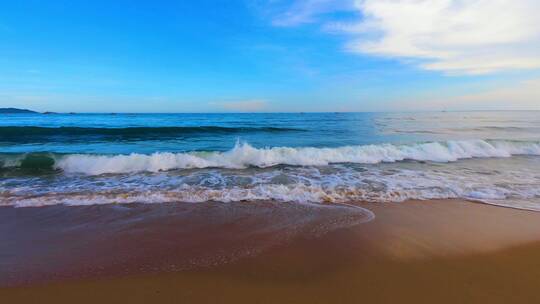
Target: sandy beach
column 268, row 151
column 446, row 251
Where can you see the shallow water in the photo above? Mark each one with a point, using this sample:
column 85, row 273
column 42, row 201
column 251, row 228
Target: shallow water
column 87, row 159
column 65, row 242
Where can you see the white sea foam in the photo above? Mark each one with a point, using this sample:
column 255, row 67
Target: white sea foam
column 515, row 183
column 244, row 155
column 303, row 194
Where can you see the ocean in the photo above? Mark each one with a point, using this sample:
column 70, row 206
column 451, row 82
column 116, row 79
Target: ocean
column 294, row 158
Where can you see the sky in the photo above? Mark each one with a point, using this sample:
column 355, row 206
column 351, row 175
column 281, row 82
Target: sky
column 270, row 55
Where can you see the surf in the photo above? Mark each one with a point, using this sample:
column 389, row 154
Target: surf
column 243, row 155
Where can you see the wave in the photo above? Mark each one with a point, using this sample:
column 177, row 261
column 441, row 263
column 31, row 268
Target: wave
column 29, row 162
column 288, row 193
column 244, row 155
column 20, row 134
column 393, row 192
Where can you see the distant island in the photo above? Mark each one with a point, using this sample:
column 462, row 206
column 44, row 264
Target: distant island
column 16, row 111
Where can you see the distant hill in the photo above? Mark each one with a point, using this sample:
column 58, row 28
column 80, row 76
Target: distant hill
column 15, row 111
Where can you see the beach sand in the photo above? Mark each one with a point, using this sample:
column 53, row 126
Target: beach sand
column 446, row 251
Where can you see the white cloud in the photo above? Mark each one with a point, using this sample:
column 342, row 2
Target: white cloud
column 307, row 11
column 456, row 36
column 452, row 36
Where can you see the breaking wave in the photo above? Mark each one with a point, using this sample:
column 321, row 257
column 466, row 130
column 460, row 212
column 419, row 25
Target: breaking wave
column 244, row 155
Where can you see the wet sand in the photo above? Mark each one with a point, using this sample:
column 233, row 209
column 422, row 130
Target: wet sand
column 414, row 252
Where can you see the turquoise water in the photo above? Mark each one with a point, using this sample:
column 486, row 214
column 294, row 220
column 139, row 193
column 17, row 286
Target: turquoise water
column 147, row 133
column 302, row 157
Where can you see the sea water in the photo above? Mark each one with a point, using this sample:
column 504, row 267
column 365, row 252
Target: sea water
column 304, row 158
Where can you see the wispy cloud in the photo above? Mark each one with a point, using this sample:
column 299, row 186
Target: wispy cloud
column 452, row 36
column 33, row 71
column 472, row 37
column 524, row 95
column 521, row 95
column 294, row 13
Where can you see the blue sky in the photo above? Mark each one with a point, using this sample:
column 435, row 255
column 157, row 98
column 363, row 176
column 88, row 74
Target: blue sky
column 271, row 56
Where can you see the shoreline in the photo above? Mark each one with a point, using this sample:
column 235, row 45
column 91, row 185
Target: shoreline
column 443, row 251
